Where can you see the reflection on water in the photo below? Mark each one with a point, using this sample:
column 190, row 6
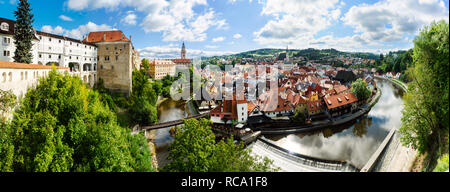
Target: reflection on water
column 168, row 110
column 354, row 142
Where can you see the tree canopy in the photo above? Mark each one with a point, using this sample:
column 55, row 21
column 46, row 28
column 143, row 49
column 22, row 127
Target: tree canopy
column 61, row 125
column 195, row 150
column 425, row 115
column 359, row 88
column 23, row 33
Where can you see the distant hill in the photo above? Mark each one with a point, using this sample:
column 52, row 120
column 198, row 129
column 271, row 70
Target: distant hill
column 311, row 54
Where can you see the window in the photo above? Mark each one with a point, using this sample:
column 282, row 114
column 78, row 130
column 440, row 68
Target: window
column 49, row 48
column 4, row 26
column 106, row 58
column 59, row 56
column 70, row 43
column 6, row 40
column 115, row 47
column 49, row 56
column 106, row 47
column 112, row 66
column 40, row 37
column 50, row 39
column 40, row 56
column 117, row 58
column 6, row 53
column 60, row 41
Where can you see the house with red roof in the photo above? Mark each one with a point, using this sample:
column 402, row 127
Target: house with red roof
column 337, row 105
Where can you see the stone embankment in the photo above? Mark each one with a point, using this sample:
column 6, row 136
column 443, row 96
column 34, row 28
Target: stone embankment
column 391, row 155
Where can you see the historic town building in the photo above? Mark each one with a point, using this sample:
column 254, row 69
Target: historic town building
column 7, row 45
column 19, row 77
column 159, row 68
column 50, row 49
column 183, row 62
column 116, row 59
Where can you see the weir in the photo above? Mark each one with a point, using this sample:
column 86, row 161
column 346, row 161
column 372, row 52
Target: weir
column 289, row 161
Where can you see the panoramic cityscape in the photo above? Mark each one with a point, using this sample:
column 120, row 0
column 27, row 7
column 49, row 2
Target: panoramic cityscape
column 224, row 86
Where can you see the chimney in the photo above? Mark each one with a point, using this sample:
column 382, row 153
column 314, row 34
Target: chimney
column 130, row 37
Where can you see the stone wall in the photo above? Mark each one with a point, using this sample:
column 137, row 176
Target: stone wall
column 115, row 65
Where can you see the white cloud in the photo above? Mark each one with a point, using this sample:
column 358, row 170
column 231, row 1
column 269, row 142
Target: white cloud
column 293, row 20
column 391, row 20
column 237, row 36
column 218, row 39
column 65, row 18
column 176, row 19
column 174, row 52
column 77, row 33
column 130, row 19
column 211, row 46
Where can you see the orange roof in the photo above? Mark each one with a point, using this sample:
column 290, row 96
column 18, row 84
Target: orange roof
column 315, row 105
column 340, row 100
column 340, row 89
column 105, row 36
column 13, row 65
column 181, row 60
column 251, row 106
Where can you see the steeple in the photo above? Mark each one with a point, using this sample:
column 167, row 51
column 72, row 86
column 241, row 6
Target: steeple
column 183, row 51
column 287, row 53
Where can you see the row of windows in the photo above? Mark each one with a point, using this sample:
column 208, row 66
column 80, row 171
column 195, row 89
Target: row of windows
column 70, row 57
column 23, row 75
column 115, row 47
column 60, row 41
column 107, row 58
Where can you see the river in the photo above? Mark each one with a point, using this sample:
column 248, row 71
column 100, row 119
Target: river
column 168, row 110
column 354, row 142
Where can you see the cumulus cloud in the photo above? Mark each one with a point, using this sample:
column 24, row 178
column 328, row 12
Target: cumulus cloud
column 293, row 20
column 176, row 19
column 218, row 39
column 237, row 36
column 168, row 52
column 77, row 33
column 130, row 19
column 390, row 20
column 65, row 18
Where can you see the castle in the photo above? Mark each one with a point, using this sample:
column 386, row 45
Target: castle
column 108, row 55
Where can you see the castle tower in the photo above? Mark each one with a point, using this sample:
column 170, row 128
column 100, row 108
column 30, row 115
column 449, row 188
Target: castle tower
column 183, row 52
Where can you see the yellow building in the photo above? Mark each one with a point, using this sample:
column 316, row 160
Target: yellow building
column 161, row 68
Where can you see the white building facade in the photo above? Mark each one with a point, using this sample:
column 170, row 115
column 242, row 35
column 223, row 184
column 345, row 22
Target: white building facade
column 49, row 49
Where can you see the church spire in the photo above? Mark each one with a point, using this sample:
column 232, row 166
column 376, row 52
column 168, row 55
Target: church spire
column 287, row 53
column 183, row 51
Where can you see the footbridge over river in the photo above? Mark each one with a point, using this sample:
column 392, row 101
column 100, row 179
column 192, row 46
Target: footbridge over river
column 168, row 124
column 293, row 162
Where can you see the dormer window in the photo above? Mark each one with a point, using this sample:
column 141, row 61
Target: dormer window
column 4, row 26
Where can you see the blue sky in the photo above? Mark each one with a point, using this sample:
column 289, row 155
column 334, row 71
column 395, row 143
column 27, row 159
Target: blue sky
column 214, row 27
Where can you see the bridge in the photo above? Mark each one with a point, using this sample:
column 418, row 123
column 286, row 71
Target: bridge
column 169, row 123
column 289, row 161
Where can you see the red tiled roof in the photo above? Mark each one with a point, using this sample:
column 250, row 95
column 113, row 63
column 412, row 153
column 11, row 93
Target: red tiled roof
column 340, row 89
column 13, row 65
column 315, row 105
column 181, row 60
column 105, row 36
column 340, row 100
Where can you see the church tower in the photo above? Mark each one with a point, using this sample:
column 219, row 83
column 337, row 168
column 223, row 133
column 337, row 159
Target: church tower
column 287, row 53
column 183, row 52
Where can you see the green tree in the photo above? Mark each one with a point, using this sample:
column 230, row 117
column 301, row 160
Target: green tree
column 360, row 89
column 23, row 33
column 425, row 115
column 195, row 150
column 146, row 64
column 62, row 125
column 7, row 103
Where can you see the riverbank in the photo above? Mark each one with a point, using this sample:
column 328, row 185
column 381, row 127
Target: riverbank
column 324, row 124
column 391, row 155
